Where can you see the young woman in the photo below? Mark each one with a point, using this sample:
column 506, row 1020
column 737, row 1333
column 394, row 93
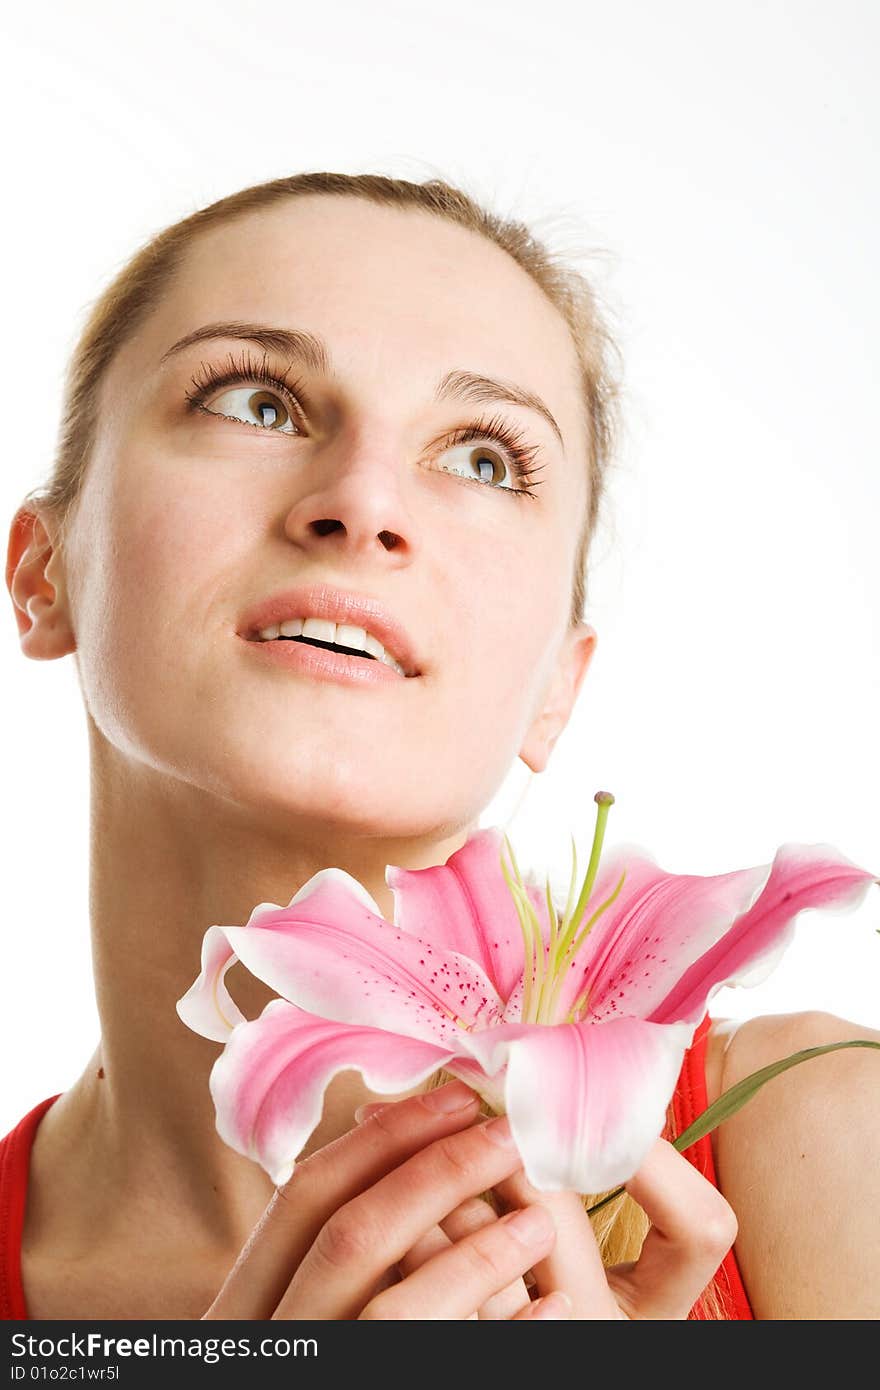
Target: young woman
column 393, row 410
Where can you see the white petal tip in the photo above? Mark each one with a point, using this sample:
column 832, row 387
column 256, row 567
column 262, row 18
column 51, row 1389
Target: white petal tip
column 344, row 880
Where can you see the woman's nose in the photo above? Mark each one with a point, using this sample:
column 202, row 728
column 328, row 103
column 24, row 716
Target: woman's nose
column 356, row 501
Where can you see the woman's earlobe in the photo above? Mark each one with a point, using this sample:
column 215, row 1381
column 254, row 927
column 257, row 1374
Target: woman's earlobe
column 538, row 745
column 40, row 610
column 574, row 658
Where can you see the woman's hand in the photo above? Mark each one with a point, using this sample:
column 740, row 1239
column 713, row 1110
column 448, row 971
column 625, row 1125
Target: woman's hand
column 692, row 1228
column 387, row 1223
column 356, row 1215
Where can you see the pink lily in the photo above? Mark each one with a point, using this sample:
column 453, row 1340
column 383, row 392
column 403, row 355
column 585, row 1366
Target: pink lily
column 574, row 1023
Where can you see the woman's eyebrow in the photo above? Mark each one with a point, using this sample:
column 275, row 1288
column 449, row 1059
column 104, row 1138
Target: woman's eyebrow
column 301, row 346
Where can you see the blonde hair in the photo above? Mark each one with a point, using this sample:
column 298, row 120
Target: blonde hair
column 139, row 287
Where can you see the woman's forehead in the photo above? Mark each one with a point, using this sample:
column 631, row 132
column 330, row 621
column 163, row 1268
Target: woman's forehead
column 357, row 244
column 369, row 296
column 375, row 276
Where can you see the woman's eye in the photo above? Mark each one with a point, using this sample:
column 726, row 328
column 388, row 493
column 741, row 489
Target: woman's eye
column 262, row 409
column 480, row 462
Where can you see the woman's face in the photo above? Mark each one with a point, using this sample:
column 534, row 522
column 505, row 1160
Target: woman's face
column 188, row 519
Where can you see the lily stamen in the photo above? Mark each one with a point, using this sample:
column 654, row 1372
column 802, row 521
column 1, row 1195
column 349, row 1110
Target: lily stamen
column 604, row 801
column 573, row 950
column 529, row 936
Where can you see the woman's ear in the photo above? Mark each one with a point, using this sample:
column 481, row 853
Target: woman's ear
column 574, row 657
column 35, row 580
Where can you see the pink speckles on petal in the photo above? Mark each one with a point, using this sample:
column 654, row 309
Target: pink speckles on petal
column 372, row 976
column 465, row 905
column 655, row 928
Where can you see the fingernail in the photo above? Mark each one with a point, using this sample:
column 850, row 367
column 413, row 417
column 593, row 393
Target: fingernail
column 554, row 1305
column 454, row 1096
column 531, row 1225
column 499, row 1132
column 373, row 1107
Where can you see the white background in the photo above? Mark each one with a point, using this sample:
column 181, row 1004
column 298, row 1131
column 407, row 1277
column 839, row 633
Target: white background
column 721, row 161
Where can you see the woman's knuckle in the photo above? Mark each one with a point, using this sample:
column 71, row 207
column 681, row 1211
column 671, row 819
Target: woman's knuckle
column 472, row 1214
column 456, row 1158
column 488, row 1261
column 385, row 1122
column 345, row 1240
column 716, row 1228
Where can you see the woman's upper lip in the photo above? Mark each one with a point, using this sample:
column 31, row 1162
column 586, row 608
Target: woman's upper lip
column 334, row 605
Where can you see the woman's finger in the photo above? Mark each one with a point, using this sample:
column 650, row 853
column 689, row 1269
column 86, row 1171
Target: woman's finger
column 553, row 1305
column 692, row 1229
column 456, row 1282
column 377, row 1228
column 472, row 1215
column 574, row 1265
column 325, row 1181
column 430, row 1244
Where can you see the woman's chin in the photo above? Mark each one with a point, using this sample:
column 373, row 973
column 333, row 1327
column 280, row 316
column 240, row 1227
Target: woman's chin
column 312, row 806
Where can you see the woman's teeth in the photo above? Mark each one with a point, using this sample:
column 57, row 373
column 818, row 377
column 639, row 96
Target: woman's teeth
column 360, row 641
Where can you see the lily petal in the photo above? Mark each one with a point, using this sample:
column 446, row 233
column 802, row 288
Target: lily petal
column 332, row 954
column 801, row 877
column 375, row 976
column 268, row 1084
column 465, row 905
column 489, row 1088
column 208, row 1007
column 585, row 1100
column 656, row 927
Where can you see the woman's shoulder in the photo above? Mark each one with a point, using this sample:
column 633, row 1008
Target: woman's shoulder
column 737, row 1047
column 800, row 1164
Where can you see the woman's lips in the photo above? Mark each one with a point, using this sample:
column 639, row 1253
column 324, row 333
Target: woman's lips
column 338, row 606
column 322, row 664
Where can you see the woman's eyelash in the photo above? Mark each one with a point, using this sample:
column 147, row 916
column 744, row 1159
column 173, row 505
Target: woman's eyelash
column 237, row 370
column 520, row 454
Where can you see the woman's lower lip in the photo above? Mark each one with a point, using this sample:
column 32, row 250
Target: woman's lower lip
column 323, row 664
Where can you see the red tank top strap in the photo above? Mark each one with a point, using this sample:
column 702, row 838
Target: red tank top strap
column 690, row 1100
column 15, row 1154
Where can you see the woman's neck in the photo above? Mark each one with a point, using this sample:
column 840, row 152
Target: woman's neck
column 136, row 1134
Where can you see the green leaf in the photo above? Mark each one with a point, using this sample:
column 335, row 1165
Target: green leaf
column 735, row 1098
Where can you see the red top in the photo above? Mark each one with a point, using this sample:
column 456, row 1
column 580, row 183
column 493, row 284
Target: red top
column 15, row 1150
column 689, row 1101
